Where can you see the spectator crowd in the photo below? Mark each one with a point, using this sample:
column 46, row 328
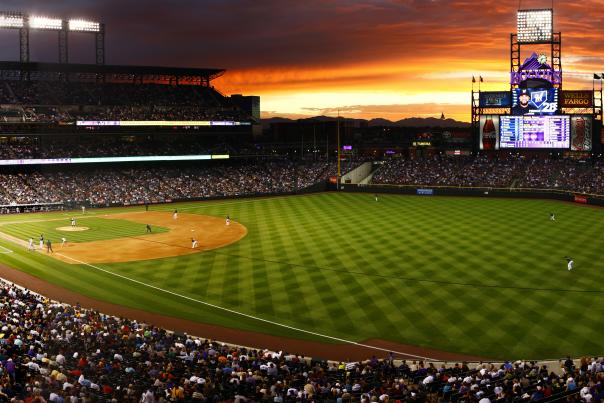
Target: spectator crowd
column 585, row 176
column 66, row 101
column 32, row 147
column 53, row 352
column 107, row 186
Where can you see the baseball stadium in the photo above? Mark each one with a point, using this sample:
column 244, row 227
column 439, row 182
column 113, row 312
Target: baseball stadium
column 160, row 242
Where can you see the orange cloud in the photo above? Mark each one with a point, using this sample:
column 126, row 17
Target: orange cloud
column 433, row 49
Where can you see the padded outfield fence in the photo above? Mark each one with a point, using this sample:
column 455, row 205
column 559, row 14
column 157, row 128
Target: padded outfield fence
column 429, row 190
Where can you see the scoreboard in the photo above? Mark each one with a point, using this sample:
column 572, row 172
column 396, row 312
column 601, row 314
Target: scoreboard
column 534, row 131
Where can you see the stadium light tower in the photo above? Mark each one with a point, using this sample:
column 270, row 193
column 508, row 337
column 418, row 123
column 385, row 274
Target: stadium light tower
column 24, row 22
column 536, row 26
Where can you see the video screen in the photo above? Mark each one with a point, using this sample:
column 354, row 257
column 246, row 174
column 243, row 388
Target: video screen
column 534, row 101
column 534, row 132
column 160, row 123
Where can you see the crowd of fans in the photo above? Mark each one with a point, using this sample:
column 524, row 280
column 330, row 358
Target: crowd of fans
column 64, row 102
column 32, row 147
column 106, row 186
column 53, row 352
column 513, row 171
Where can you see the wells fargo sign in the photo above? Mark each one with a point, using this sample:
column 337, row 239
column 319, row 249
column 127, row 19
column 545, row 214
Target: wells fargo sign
column 576, row 99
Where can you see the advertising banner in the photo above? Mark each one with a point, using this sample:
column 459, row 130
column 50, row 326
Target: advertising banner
column 580, row 130
column 576, row 99
column 489, row 132
column 580, row 199
column 495, row 99
column 160, row 123
column 425, row 192
column 96, row 160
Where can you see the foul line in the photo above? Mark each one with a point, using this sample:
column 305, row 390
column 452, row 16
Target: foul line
column 245, row 314
column 5, row 250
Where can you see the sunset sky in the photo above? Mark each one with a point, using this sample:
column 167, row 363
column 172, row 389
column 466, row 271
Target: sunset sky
column 379, row 58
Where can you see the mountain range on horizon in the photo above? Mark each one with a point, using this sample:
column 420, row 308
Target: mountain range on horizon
column 406, row 122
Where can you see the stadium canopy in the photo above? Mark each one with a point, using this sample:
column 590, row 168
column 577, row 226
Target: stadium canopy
column 20, row 70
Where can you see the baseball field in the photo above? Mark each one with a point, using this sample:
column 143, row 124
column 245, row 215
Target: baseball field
column 476, row 276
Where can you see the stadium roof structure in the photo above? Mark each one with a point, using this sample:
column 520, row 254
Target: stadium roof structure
column 15, row 69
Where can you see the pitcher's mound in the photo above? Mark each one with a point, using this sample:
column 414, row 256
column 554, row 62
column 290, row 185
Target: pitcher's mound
column 72, row 229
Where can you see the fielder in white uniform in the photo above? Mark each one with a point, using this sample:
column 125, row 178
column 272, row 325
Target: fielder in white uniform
column 570, row 263
column 193, row 243
column 63, row 241
column 31, row 244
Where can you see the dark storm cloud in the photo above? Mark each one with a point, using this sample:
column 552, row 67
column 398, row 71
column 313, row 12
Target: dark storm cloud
column 247, row 34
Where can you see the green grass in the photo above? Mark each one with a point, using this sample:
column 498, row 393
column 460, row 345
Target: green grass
column 471, row 275
column 99, row 229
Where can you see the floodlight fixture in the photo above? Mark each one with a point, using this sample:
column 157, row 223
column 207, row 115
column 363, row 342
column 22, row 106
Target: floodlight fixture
column 37, row 22
column 84, row 25
column 25, row 23
column 535, row 26
column 11, row 20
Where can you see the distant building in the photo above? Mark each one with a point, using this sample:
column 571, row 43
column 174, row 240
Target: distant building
column 250, row 104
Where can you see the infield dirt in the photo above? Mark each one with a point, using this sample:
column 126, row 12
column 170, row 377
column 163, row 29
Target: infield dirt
column 210, row 233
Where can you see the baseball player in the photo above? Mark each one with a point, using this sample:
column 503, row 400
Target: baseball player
column 83, row 210
column 552, row 217
column 570, row 263
column 63, row 241
column 30, row 247
column 193, row 243
column 41, row 241
column 49, row 247
column 175, row 214
column 148, row 229
column 376, row 197
column 228, row 220
column 73, row 222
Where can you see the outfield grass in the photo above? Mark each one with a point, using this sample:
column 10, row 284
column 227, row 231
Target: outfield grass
column 471, row 275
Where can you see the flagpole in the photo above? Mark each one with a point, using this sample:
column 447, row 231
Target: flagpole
column 338, row 136
column 593, row 92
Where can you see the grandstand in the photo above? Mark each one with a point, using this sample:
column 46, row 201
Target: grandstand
column 377, row 289
column 65, row 94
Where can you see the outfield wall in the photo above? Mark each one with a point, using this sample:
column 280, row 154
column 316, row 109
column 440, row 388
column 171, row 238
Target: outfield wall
column 553, row 194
